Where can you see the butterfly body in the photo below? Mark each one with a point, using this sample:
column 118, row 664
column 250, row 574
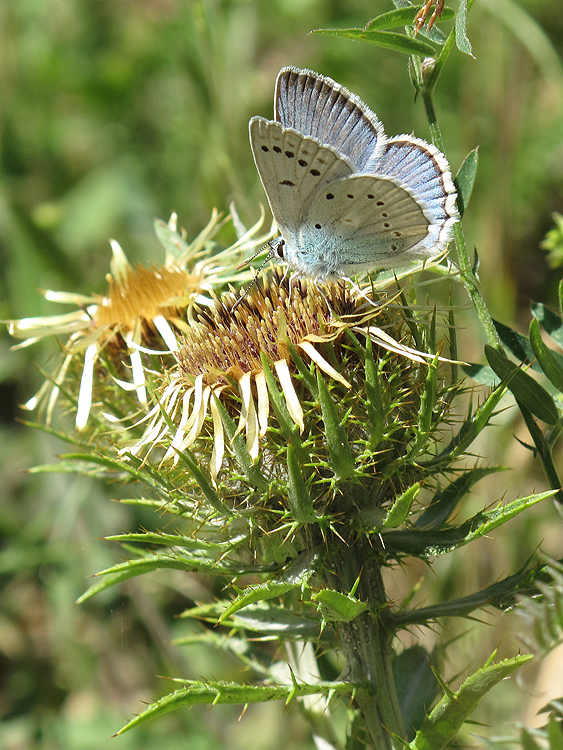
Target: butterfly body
column 346, row 198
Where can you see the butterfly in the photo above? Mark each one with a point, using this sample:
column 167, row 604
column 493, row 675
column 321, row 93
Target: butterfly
column 345, row 197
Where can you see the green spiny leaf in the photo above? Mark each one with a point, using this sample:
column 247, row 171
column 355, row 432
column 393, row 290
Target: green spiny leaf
column 443, row 723
column 204, row 484
column 375, row 409
column 258, row 593
column 446, row 501
column 469, row 430
column 422, row 543
column 170, row 540
column 298, row 496
column 252, row 473
column 500, row 595
column 211, row 693
column 341, row 459
column 400, row 509
column 338, row 607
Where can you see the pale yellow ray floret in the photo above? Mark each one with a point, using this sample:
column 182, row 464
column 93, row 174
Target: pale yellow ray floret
column 145, row 309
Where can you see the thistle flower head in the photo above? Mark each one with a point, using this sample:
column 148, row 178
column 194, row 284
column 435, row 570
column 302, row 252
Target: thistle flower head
column 275, row 372
column 144, row 309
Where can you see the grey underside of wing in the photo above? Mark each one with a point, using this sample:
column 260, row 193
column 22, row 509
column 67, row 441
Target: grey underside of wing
column 365, row 221
column 320, row 108
column 292, row 169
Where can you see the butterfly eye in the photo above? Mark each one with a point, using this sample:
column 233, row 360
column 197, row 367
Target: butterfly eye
column 279, row 248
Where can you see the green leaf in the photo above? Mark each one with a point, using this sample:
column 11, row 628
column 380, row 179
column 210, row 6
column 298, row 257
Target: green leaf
column 211, row 693
column 171, row 540
column 400, row 509
column 443, row 723
column 341, row 458
column 446, row 501
column 401, row 17
column 251, row 472
column 258, row 593
column 423, row 543
column 386, row 39
column 481, row 374
column 461, row 39
column 263, row 617
column 546, row 358
column 205, row 485
column 337, row 607
column 500, row 595
column 465, row 179
column 516, row 343
column 417, row 686
column 543, row 447
column 551, row 322
column 375, row 409
column 469, row 430
column 523, row 386
column 153, row 562
column 298, row 496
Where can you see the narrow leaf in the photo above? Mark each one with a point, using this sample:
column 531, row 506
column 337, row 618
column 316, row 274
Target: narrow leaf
column 500, row 595
column 171, row 540
column 386, row 39
column 341, row 459
column 205, row 485
column 470, row 429
column 153, row 562
column 523, row 386
column 465, row 179
column 401, row 17
column 298, row 496
column 258, row 593
column 446, row 501
column 551, row 322
column 516, row 343
column 461, row 39
column 210, row 693
column 416, row 684
column 546, row 358
column 376, row 415
column 422, row 543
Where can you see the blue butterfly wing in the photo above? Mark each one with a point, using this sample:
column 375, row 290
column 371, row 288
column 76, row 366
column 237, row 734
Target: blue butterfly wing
column 320, row 108
column 423, row 170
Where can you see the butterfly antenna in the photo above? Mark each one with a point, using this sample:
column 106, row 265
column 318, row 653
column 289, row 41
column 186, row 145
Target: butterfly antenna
column 249, row 260
column 255, row 279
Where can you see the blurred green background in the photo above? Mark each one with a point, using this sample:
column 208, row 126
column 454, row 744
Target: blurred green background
column 113, row 113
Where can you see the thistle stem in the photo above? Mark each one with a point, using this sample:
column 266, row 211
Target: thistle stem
column 366, row 643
